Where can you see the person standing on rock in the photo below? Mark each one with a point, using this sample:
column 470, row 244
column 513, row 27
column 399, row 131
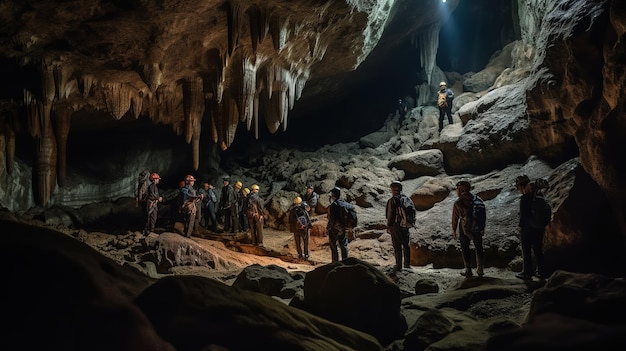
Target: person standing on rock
column 463, row 222
column 398, row 224
column 208, row 205
column 337, row 231
column 254, row 211
column 152, row 200
column 531, row 237
column 300, row 224
column 444, row 103
column 190, row 211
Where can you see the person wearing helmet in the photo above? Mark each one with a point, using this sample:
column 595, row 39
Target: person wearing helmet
column 208, row 206
column 300, row 224
column 241, row 214
column 531, row 237
column 190, row 198
column 444, row 102
column 254, row 212
column 228, row 207
column 311, row 198
column 152, row 199
column 462, row 220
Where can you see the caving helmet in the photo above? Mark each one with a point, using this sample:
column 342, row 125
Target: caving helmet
column 154, row 176
column 255, row 187
column 190, row 178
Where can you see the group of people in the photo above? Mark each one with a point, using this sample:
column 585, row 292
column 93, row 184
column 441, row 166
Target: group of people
column 243, row 208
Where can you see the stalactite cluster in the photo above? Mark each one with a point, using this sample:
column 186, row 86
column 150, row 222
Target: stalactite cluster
column 200, row 63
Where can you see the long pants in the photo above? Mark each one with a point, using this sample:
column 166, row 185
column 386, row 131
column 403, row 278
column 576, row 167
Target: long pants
column 401, row 248
column 210, row 220
column 465, row 248
column 256, row 229
column 532, row 241
column 445, row 112
column 192, row 220
column 335, row 237
column 152, row 215
column 231, row 220
column 243, row 221
column 302, row 239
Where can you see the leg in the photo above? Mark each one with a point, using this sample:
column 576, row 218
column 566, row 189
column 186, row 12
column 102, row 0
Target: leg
column 227, row 220
column 441, row 115
column 449, row 113
column 343, row 241
column 537, row 247
column 305, row 240
column 234, row 219
column 396, row 242
column 298, row 239
column 465, row 254
column 258, row 222
column 480, row 254
column 406, row 249
column 332, row 241
column 526, row 241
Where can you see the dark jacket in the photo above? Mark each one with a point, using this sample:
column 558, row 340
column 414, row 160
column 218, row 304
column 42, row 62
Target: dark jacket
column 229, row 197
column 293, row 219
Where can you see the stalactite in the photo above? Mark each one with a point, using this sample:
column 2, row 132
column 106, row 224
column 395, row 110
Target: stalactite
column 279, row 31
column 235, row 15
column 32, row 114
column 193, row 106
column 117, row 99
column 62, row 121
column 64, row 82
column 88, row 81
column 136, row 101
column 259, row 25
column 48, row 87
column 427, row 42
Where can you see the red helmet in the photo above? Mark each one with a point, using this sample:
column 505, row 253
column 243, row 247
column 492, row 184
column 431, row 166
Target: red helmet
column 189, row 178
column 154, row 176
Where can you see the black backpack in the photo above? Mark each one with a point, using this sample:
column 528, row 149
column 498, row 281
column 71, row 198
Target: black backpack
column 478, row 216
column 405, row 211
column 143, row 182
column 540, row 212
column 303, row 220
column 348, row 214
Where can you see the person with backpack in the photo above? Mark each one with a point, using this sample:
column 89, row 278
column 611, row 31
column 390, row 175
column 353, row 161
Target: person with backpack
column 531, row 235
column 300, row 223
column 336, row 227
column 444, row 102
column 468, row 218
column 208, row 205
column 152, row 200
column 311, row 198
column 400, row 216
column 254, row 211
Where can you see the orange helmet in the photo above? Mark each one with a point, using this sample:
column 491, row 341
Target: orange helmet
column 154, row 176
column 189, row 178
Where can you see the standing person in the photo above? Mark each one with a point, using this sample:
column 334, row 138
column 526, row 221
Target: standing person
column 152, row 200
column 531, row 237
column 311, row 198
column 463, row 222
column 241, row 214
column 337, row 231
column 299, row 224
column 403, row 108
column 398, row 224
column 190, row 199
column 208, row 205
column 444, row 102
column 228, row 207
column 254, row 211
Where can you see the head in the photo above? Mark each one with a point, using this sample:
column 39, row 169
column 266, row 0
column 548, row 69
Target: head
column 238, row 185
column 155, row 177
column 206, row 185
column 189, row 179
column 396, row 187
column 246, row 191
column 309, row 189
column 226, row 180
column 335, row 193
column 522, row 183
column 297, row 200
column 181, row 184
column 466, row 198
column 255, row 188
column 443, row 86
column 463, row 186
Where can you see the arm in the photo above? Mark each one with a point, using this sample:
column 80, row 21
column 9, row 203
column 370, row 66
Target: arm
column 456, row 216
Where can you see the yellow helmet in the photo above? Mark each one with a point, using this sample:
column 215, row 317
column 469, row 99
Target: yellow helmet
column 297, row 200
column 442, row 84
column 238, row 184
column 246, row 191
column 254, row 187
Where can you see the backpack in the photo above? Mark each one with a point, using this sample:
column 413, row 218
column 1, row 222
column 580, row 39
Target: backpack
column 143, row 182
column 405, row 211
column 302, row 217
column 442, row 100
column 478, row 216
column 348, row 214
column 540, row 212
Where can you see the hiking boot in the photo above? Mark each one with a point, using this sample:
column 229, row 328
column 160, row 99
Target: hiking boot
column 479, row 271
column 522, row 275
column 467, row 272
